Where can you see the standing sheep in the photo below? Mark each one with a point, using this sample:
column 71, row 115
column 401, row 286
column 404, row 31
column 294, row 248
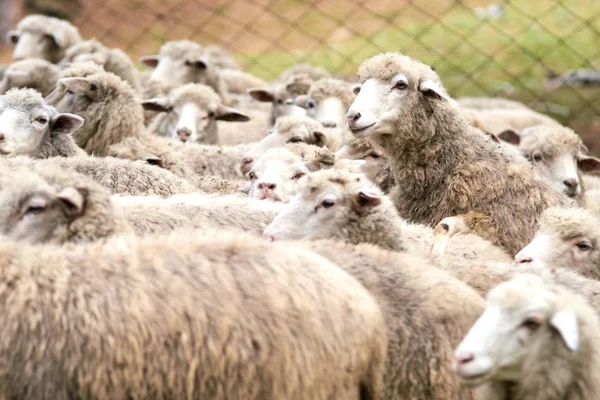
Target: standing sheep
column 112, row 60
column 190, row 113
column 30, row 73
column 443, row 166
column 534, row 341
column 195, row 325
column 30, row 127
column 40, row 36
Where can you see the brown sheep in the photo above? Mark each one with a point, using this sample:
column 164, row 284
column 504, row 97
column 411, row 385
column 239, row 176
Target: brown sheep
column 444, row 166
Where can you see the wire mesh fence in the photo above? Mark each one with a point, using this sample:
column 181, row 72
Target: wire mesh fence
column 544, row 52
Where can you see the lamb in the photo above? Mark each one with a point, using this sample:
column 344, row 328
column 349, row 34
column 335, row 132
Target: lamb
column 343, row 205
column 31, row 73
column 112, row 60
column 566, row 238
column 120, row 176
column 327, row 101
column 40, row 36
column 184, row 61
column 30, row 127
column 426, row 312
column 444, row 166
column 190, row 113
column 315, row 332
column 534, row 340
column 557, row 154
column 109, row 107
column 280, row 92
column 293, row 130
column 376, row 167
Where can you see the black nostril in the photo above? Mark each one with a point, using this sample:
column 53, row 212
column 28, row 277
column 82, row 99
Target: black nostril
column 570, row 183
column 272, row 186
column 356, row 116
column 1, row 136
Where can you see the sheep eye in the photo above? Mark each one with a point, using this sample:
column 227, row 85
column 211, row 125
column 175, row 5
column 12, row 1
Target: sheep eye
column 188, row 63
column 279, row 101
column 42, row 120
column 373, row 155
column 298, row 176
column 35, row 210
column 294, row 140
column 252, row 175
column 311, row 104
column 531, row 323
column 401, row 85
column 328, row 203
column 584, row 246
column 211, row 114
column 93, row 87
column 537, row 157
column 69, row 91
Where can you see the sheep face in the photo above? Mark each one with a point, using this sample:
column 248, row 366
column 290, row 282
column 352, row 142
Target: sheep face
column 32, row 44
column 179, row 71
column 25, row 120
column 276, row 177
column 393, row 86
column 34, row 212
column 326, row 204
column 567, row 238
column 286, row 130
column 375, row 168
column 278, row 98
column 522, row 317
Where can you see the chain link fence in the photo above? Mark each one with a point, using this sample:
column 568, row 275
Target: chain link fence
column 545, row 53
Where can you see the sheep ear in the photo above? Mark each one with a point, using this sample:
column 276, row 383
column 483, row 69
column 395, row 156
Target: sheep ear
column 366, row 199
column 81, row 85
column 433, row 89
column 588, row 163
column 262, row 94
column 153, row 159
column 60, row 39
column 224, row 113
column 245, row 188
column 12, row 37
column 319, row 138
column 159, row 104
column 356, row 89
column 583, row 149
column 150, row 61
column 66, row 123
column 565, row 322
column 73, row 200
column 510, row 136
column 18, row 78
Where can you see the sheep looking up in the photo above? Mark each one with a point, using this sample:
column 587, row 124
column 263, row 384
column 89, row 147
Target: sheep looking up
column 28, row 126
column 444, row 166
column 533, row 341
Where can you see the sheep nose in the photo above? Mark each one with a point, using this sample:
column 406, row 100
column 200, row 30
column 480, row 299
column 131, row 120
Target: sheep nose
column 353, row 117
column 463, row 358
column 571, row 183
column 267, row 186
column 184, row 134
column 523, row 259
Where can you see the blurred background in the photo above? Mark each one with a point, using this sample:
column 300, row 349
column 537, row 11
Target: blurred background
column 545, row 53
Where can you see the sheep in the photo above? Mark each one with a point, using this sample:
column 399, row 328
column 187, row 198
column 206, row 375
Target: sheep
column 314, row 73
column 109, row 107
column 120, row 176
column 327, row 101
column 112, row 60
column 557, row 154
column 239, row 82
column 184, row 61
column 444, row 166
column 486, row 103
column 426, row 311
column 30, row 73
column 30, row 127
column 40, row 36
column 313, row 332
column 190, row 113
column 376, row 167
column 534, row 340
column 280, row 92
column 566, row 238
column 344, row 205
column 293, row 130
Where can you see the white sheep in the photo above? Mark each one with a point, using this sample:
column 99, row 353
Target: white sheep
column 40, row 36
column 533, row 341
column 30, row 73
column 30, row 127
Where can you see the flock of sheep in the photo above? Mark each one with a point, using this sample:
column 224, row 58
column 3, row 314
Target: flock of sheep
column 195, row 232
